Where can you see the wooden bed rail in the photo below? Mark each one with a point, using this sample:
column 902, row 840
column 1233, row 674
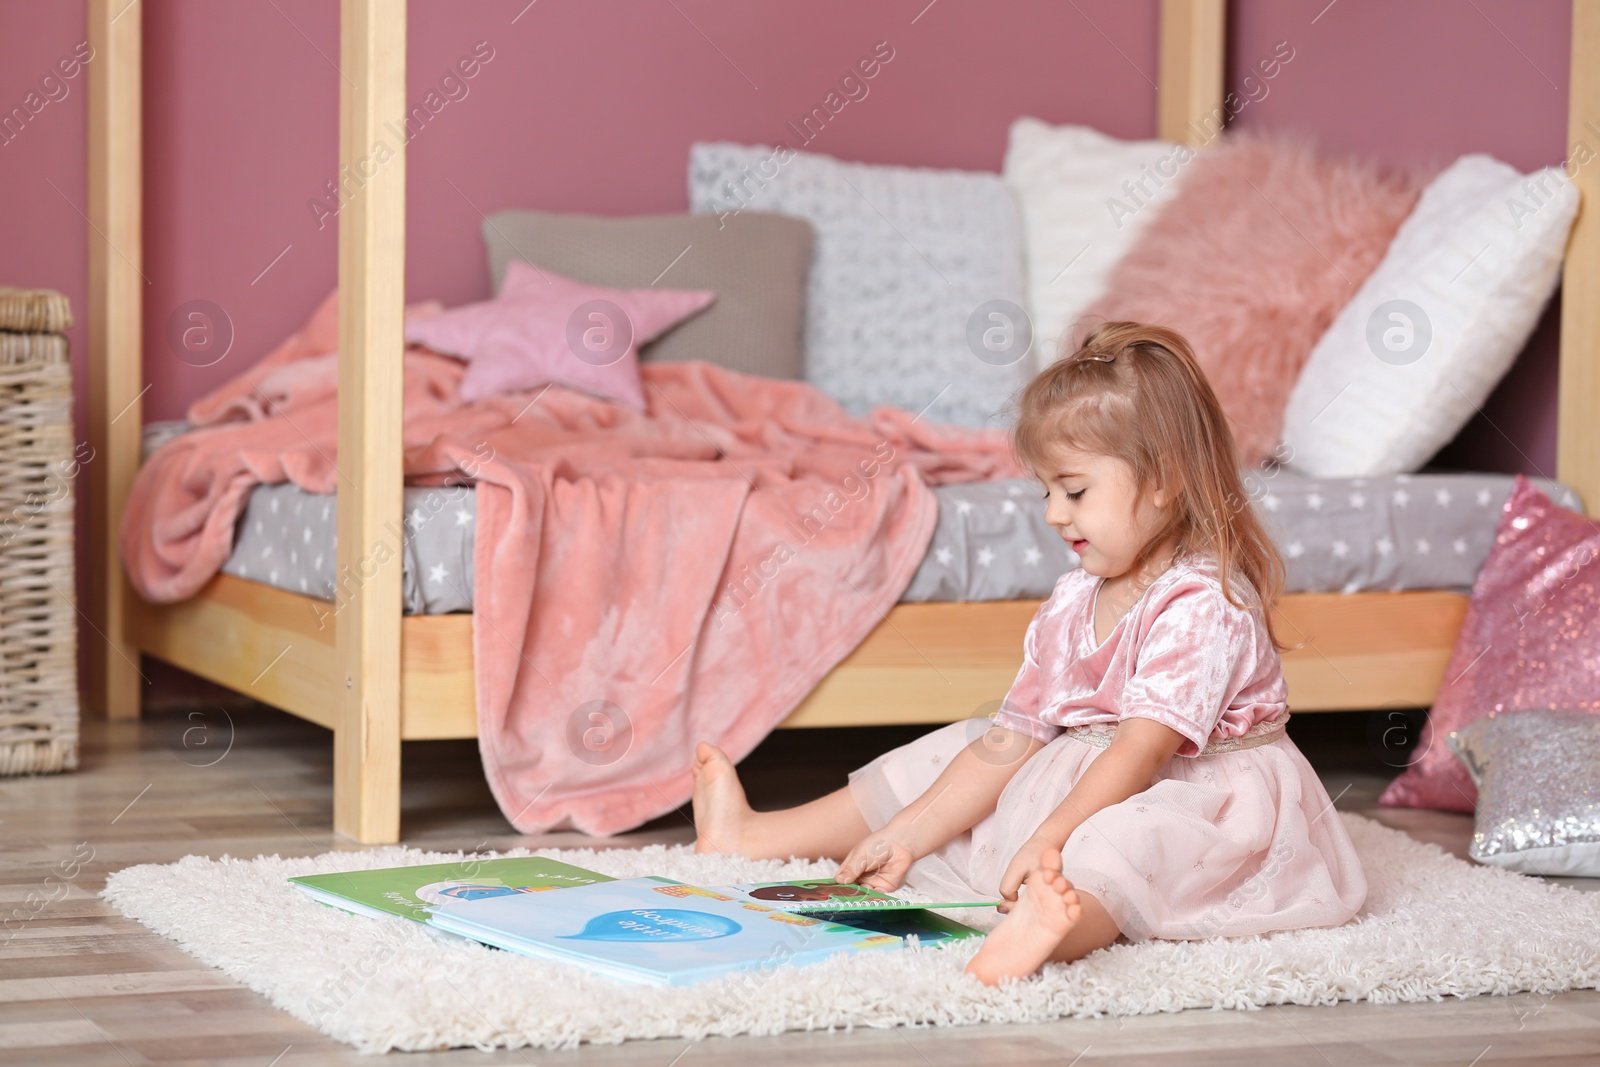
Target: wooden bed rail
column 1364, row 650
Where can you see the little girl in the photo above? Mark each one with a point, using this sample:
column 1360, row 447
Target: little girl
column 1137, row 780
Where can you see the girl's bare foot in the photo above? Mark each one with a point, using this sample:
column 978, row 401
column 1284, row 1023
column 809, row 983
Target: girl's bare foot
column 1045, row 911
column 720, row 808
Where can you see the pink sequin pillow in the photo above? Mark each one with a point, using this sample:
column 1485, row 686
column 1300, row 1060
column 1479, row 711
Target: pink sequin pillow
column 544, row 328
column 1531, row 640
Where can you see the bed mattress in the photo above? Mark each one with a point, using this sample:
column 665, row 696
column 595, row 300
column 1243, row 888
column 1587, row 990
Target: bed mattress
column 1420, row 531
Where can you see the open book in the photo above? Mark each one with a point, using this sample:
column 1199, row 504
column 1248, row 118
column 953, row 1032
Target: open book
column 650, row 930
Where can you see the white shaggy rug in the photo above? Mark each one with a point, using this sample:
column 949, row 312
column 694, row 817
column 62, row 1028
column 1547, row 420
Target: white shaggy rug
column 1433, row 926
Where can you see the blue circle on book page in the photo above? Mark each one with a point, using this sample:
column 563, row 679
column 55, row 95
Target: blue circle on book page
column 445, row 892
column 655, row 924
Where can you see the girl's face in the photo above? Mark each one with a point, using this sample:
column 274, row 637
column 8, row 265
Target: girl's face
column 1093, row 503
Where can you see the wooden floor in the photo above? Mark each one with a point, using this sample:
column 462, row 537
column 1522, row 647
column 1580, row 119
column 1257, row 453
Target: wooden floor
column 80, row 984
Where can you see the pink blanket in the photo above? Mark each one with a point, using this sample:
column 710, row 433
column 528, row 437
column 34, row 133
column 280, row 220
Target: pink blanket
column 643, row 581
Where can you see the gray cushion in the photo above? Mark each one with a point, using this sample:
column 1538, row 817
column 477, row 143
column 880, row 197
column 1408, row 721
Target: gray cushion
column 755, row 262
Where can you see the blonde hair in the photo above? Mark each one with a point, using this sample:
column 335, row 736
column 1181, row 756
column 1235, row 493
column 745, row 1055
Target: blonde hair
column 1134, row 391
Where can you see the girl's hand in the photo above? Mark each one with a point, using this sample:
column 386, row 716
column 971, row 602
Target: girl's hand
column 1024, row 863
column 879, row 862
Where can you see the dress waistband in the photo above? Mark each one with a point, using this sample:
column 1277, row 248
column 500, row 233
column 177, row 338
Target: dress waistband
column 1265, row 732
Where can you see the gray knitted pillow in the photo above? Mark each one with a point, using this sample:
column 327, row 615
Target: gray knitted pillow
column 916, row 290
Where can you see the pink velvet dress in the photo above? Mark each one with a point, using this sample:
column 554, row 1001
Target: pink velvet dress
column 1235, row 835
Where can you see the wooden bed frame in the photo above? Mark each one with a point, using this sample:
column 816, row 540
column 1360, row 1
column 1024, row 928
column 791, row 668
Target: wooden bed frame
column 377, row 678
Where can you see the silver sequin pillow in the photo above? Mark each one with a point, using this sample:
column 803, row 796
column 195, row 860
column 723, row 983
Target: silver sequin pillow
column 1538, row 778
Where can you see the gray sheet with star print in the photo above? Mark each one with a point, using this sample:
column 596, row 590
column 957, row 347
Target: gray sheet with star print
column 286, row 539
column 1416, row 531
column 1419, row 531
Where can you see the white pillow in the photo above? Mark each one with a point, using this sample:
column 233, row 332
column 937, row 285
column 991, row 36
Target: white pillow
column 1436, row 326
column 1085, row 198
column 912, row 274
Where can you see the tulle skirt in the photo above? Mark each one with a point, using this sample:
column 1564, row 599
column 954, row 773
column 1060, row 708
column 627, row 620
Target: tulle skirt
column 1235, row 843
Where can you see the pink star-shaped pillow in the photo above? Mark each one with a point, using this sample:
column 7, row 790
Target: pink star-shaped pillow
column 545, row 328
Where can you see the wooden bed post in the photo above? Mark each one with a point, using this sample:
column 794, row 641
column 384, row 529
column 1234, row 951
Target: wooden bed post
column 1189, row 99
column 1578, row 426
column 366, row 737
column 116, row 293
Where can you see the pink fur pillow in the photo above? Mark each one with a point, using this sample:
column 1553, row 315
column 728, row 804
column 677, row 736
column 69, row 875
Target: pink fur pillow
column 1531, row 640
column 1261, row 246
column 544, row 328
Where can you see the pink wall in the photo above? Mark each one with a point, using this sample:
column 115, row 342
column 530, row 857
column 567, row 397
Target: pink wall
column 44, row 182
column 592, row 105
column 585, row 106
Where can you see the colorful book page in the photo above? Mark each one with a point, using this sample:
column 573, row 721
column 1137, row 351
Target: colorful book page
column 413, row 892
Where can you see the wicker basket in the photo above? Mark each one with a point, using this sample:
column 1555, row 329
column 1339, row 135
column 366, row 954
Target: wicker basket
column 34, row 311
column 38, row 466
